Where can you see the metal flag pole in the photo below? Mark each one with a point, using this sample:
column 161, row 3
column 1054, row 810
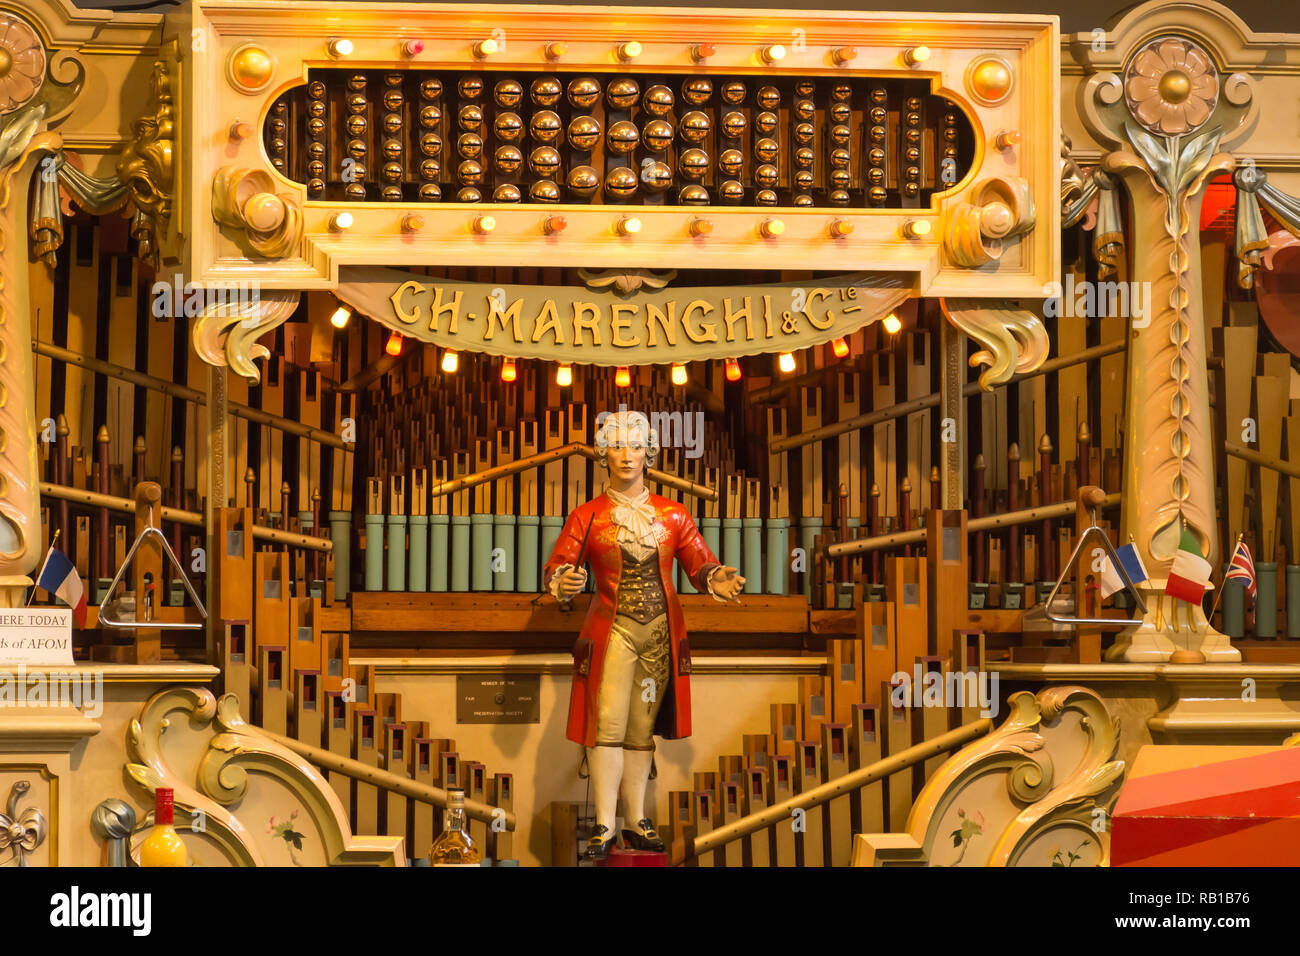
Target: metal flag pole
column 37, row 583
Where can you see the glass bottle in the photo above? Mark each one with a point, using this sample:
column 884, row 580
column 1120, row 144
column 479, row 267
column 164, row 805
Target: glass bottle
column 163, row 846
column 454, row 847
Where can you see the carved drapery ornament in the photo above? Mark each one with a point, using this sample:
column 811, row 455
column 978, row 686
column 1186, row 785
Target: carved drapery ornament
column 1014, row 339
column 146, row 169
column 227, row 332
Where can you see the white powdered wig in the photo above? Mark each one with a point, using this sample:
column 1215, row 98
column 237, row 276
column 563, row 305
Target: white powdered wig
column 624, row 427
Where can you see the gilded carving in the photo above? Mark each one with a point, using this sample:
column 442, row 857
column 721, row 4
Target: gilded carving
column 1001, row 209
column 21, row 833
column 245, row 200
column 22, row 63
column 145, row 166
column 227, row 332
column 1014, row 339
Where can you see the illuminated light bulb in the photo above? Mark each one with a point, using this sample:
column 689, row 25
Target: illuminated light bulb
column 341, row 221
column 628, row 226
column 773, row 53
column 486, row 47
column 484, row 224
column 564, row 376
column 892, row 324
column 340, row 317
column 554, row 224
column 394, row 344
column 240, row 131
column 771, row 228
column 450, row 361
column 412, row 223
column 629, row 50
column 786, row 362
column 508, row 372
column 844, row 54
column 340, row 47
column 702, row 51
column 916, row 229
column 556, row 50
column 412, row 47
column 1007, row 139
column 623, row 376
column 916, row 55
column 840, row 347
column 840, row 228
column 733, row 370
column 679, row 373
column 701, row 227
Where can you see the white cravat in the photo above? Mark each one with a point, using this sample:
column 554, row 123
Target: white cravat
column 635, row 519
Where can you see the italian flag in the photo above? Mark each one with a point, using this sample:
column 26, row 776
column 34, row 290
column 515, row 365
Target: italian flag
column 1189, row 575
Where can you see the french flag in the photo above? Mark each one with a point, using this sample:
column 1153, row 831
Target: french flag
column 61, row 579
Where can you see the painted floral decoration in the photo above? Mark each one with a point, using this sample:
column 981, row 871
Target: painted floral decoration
column 284, row 829
column 22, row 63
column 969, row 828
column 1171, row 86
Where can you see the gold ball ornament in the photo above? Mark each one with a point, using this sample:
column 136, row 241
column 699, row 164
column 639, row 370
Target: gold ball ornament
column 989, row 79
column 249, row 68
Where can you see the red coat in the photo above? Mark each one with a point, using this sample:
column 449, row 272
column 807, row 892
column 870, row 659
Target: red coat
column 682, row 540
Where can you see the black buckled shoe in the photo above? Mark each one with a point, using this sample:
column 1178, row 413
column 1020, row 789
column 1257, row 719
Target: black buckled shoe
column 599, row 845
column 644, row 837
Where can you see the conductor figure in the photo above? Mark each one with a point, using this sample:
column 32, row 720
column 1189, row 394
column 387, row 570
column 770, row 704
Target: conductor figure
column 631, row 660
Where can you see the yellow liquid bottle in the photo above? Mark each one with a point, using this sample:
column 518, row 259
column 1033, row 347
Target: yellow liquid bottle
column 163, row 846
column 454, row 847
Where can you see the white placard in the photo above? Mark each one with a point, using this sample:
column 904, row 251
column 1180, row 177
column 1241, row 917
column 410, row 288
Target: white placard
column 35, row 635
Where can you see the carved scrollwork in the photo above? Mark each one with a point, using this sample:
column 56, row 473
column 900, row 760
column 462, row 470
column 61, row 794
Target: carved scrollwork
column 1014, row 340
column 146, row 165
column 626, row 281
column 1001, row 209
column 226, row 333
column 245, row 200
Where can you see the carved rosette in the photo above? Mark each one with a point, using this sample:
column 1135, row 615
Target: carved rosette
column 245, row 201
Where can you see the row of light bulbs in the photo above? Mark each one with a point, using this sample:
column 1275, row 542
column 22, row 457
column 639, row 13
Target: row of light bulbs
column 340, row 47
column 630, row 225
column 623, row 374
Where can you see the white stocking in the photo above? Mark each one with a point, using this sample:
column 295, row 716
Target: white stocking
column 606, row 765
column 636, row 771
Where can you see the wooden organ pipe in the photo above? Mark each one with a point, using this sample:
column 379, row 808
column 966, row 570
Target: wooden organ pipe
column 103, row 551
column 1013, row 503
column 1046, row 570
column 977, row 511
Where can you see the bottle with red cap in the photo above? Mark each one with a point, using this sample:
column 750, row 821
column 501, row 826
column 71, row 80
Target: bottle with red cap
column 163, row 846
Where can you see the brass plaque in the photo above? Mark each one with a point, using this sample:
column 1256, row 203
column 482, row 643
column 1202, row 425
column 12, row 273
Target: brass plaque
column 498, row 698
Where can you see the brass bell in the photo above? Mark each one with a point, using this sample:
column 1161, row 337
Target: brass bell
column 657, row 176
column 805, row 109
column 840, row 158
column 357, row 102
column 622, row 136
column 803, row 88
column 693, row 195
column 765, row 123
column 841, row 179
column 356, row 126
column 878, row 115
column 357, row 149
column 392, row 150
column 657, row 135
column 733, row 93
column 584, row 92
column 621, row 183
column 393, row 100
column 766, row 150
column 876, row 156
column 470, row 173
column 544, row 161
column 470, row 118
column 805, row 156
column 431, row 89
column 316, row 108
column 583, row 180
column 584, row 133
column 694, row 163
column 316, row 90
column 391, row 193
column 804, row 133
column 509, row 127
column 392, row 124
column 430, row 116
column 802, row 199
column 879, row 96
column 839, row 197
column 622, row 93
column 803, row 180
column 544, row 191
column 734, row 124
column 697, row 89
column 694, row 127
column 769, row 98
column 840, row 135
column 469, row 194
column 431, row 144
column 877, row 134
column 469, row 145
column 731, row 191
column 430, row 169
column 357, row 82
column 508, row 93
column 430, row 192
column 545, row 91
column 658, row 100
column 508, row 159
column 470, row 87
column 506, row 192
column 765, row 197
column 767, row 176
column 545, row 126
column 731, row 162
column 355, row 191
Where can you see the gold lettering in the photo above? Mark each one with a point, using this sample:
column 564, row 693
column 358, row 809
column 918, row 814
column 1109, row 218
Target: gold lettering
column 808, row 310
column 548, row 320
column 409, row 318
column 667, row 322
column 621, row 325
column 511, row 314
column 768, row 332
column 592, row 324
column 707, row 333
column 436, row 311
column 730, row 318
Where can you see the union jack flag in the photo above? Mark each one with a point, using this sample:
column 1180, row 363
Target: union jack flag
column 1242, row 568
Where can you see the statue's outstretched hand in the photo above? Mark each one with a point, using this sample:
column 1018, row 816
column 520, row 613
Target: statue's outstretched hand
column 572, row 582
column 727, row 584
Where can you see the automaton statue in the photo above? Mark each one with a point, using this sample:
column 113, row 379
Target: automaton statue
column 632, row 660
